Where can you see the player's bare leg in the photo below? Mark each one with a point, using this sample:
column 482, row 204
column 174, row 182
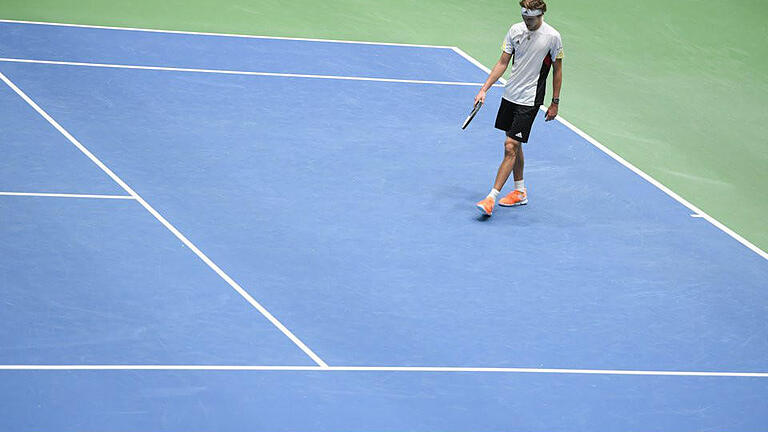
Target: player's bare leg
column 511, row 149
column 519, row 196
column 519, row 166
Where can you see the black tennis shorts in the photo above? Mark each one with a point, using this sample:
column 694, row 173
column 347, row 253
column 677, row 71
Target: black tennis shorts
column 516, row 120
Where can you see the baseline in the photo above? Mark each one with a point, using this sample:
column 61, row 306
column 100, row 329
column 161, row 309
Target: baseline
column 236, row 35
column 435, row 369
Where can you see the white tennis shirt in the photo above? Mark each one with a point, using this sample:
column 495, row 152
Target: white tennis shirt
column 533, row 54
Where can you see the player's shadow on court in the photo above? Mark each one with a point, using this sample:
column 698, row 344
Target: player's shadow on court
column 464, row 200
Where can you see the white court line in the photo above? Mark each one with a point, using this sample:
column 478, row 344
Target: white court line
column 696, row 216
column 167, row 224
column 234, row 72
column 59, row 195
column 138, row 29
column 435, row 369
column 323, row 366
column 472, row 60
column 637, row 170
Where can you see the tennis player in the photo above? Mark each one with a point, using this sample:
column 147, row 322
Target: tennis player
column 532, row 47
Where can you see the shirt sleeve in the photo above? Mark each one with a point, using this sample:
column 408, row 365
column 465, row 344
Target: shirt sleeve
column 556, row 51
column 507, row 45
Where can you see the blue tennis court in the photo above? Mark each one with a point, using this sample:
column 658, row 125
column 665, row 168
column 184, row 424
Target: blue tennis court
column 222, row 233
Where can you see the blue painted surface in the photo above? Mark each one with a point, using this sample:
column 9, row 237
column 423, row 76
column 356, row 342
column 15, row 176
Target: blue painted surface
column 102, row 282
column 37, row 158
column 409, row 402
column 231, row 53
column 346, row 208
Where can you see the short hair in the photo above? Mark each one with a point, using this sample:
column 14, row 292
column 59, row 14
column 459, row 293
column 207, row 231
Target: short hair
column 534, row 4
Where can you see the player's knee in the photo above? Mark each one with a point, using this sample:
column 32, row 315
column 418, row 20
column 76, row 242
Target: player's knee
column 511, row 147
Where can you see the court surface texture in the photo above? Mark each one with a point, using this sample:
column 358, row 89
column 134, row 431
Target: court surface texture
column 226, row 233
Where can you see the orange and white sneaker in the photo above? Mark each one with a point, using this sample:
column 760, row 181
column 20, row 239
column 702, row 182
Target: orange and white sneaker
column 486, row 206
column 515, row 198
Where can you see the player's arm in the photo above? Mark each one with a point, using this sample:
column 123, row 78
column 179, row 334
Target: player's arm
column 557, row 82
column 496, row 73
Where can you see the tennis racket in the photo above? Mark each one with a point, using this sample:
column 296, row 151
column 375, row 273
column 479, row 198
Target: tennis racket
column 472, row 115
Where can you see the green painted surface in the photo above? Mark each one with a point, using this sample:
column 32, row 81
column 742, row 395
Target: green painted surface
column 679, row 88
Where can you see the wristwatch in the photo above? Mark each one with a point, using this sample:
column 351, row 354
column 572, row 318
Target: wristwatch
column 556, row 101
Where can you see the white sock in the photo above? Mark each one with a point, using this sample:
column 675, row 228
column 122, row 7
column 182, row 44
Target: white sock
column 494, row 193
column 520, row 185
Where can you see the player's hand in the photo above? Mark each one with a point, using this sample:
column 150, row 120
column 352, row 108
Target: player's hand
column 551, row 113
column 480, row 97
